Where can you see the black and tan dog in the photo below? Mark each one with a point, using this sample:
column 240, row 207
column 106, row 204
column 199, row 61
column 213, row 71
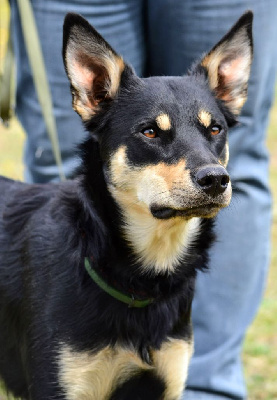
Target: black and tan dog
column 97, row 274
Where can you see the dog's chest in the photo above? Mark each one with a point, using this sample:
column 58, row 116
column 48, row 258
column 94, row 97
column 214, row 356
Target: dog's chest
column 96, row 376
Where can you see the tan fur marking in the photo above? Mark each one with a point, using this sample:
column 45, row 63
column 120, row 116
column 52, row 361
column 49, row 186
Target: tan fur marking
column 172, row 363
column 115, row 68
column 205, row 118
column 163, row 122
column 94, row 376
column 170, row 173
column 211, row 63
column 84, row 111
column 225, row 158
column 87, row 376
column 159, row 244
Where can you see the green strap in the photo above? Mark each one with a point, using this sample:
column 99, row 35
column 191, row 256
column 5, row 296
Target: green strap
column 35, row 55
column 113, row 292
column 6, row 83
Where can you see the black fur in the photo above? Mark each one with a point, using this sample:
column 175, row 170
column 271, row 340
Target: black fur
column 145, row 386
column 46, row 231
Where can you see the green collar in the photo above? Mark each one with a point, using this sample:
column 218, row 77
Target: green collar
column 124, row 298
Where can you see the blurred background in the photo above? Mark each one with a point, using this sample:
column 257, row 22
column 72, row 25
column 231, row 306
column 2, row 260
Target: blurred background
column 260, row 348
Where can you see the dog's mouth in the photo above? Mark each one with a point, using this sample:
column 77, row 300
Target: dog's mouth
column 204, row 211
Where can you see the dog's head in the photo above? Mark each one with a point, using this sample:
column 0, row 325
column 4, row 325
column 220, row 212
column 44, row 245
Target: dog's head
column 163, row 140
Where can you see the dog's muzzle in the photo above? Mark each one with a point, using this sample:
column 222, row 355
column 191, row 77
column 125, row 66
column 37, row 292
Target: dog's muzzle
column 210, row 191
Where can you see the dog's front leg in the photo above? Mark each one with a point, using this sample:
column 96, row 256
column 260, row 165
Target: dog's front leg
column 166, row 381
column 171, row 363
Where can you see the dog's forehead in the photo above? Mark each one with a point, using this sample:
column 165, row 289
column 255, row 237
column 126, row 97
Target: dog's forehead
column 169, row 100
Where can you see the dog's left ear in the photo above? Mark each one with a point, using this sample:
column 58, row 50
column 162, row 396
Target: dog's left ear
column 228, row 64
column 93, row 67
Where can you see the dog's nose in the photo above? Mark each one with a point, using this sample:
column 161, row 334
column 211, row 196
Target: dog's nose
column 213, row 180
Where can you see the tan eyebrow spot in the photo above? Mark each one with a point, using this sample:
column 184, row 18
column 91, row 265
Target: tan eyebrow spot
column 205, row 118
column 163, row 122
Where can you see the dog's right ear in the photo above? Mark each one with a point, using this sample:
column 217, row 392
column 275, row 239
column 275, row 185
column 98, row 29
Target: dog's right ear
column 93, row 67
column 228, row 64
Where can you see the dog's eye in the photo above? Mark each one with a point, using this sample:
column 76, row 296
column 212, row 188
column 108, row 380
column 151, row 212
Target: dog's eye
column 150, row 133
column 215, row 130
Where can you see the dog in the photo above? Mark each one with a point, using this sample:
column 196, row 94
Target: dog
column 97, row 273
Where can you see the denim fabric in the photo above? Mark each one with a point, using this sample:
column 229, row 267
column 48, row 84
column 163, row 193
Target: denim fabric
column 197, row 395
column 164, row 37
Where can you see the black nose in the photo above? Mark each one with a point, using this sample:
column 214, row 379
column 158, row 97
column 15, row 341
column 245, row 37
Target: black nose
column 213, row 180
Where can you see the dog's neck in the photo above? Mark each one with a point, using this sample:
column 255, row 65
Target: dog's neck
column 159, row 245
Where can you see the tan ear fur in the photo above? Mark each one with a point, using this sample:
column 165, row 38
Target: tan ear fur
column 93, row 67
column 228, row 64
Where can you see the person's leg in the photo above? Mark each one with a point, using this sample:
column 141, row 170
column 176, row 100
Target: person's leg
column 120, row 22
column 228, row 296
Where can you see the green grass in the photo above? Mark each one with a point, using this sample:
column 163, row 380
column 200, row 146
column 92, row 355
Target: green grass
column 260, row 348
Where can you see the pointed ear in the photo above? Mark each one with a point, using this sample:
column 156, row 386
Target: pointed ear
column 228, row 64
column 93, row 67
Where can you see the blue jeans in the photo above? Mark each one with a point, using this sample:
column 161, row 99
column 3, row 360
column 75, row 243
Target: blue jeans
column 165, row 37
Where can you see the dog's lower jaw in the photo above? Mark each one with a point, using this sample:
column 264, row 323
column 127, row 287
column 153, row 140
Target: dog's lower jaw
column 209, row 211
